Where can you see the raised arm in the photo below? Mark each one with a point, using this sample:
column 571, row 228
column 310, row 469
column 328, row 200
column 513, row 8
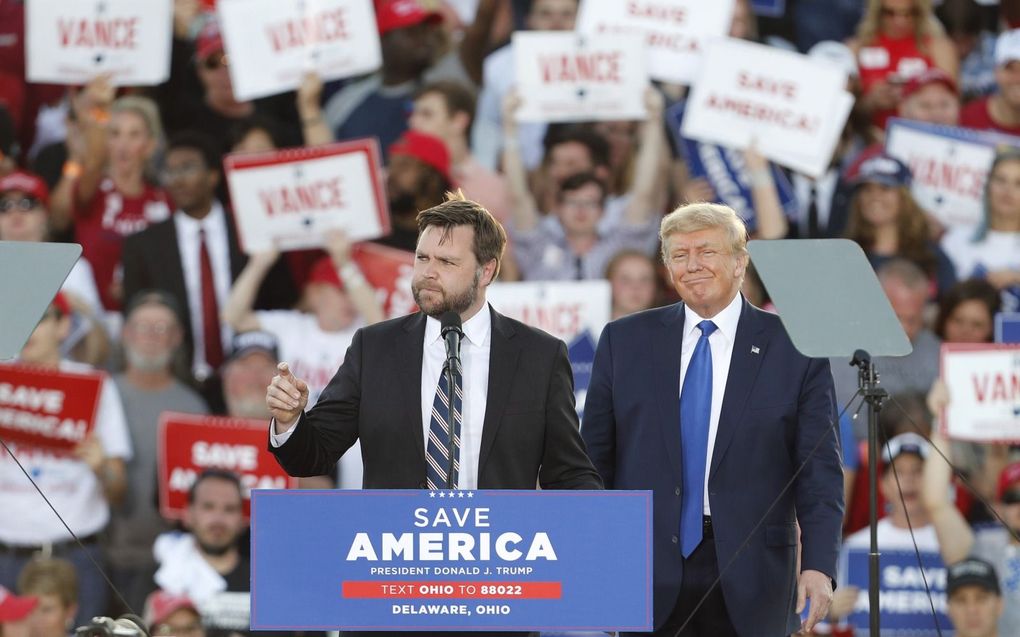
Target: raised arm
column 238, row 312
column 359, row 290
column 523, row 209
column 772, row 222
column 309, row 107
column 647, row 168
column 954, row 534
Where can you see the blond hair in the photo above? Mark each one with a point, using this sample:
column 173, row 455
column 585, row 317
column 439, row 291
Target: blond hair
column 697, row 216
column 50, row 576
column 926, row 25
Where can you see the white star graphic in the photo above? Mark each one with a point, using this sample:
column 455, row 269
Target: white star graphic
column 471, row 494
column 432, row 494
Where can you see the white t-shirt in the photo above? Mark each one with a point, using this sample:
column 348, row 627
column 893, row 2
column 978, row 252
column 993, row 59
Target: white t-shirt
column 69, row 483
column 315, row 356
column 997, row 251
column 893, row 538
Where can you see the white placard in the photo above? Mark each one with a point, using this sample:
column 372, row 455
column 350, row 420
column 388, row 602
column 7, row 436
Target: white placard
column 272, row 44
column 289, row 198
column 676, row 32
column 984, row 392
column 73, row 41
column 792, row 107
column 949, row 167
column 565, row 77
column 565, row 309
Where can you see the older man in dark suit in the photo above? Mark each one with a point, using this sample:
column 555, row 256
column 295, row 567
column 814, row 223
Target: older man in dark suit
column 708, row 404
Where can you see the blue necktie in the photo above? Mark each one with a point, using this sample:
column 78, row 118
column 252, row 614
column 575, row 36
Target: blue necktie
column 437, row 450
column 695, row 413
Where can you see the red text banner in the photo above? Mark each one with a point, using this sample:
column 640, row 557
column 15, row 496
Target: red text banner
column 48, row 408
column 290, row 198
column 984, row 392
column 190, row 444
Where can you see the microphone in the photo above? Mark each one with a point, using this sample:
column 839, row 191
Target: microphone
column 452, row 334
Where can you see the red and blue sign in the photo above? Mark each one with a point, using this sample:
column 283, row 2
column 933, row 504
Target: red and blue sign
column 452, row 561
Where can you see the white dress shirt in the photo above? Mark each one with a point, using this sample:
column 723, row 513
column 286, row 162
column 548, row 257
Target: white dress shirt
column 217, row 242
column 721, row 342
column 474, row 356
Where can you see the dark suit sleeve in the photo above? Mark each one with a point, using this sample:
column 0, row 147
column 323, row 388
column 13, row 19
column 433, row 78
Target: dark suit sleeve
column 599, row 428
column 329, row 429
column 132, row 259
column 820, row 485
column 565, row 465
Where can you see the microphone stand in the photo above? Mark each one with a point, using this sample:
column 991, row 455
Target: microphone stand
column 868, row 381
column 452, row 363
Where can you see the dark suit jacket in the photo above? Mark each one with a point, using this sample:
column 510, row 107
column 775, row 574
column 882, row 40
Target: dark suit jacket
column 778, row 405
column 151, row 260
column 530, row 430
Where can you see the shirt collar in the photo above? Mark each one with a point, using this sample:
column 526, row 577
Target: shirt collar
column 191, row 224
column 725, row 321
column 477, row 329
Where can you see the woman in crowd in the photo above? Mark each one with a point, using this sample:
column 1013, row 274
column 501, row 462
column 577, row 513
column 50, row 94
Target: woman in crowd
column 967, row 312
column 105, row 190
column 632, row 277
column 991, row 251
column 887, row 222
column 896, row 40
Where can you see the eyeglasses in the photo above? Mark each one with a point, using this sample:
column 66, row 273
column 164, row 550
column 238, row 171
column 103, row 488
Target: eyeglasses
column 888, row 12
column 24, row 204
column 215, row 61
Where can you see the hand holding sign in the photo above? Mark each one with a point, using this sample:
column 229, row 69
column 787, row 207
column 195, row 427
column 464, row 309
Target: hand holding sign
column 286, row 398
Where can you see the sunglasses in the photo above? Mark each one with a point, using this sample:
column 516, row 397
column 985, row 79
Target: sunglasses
column 899, row 13
column 25, row 204
column 215, row 61
column 1011, row 497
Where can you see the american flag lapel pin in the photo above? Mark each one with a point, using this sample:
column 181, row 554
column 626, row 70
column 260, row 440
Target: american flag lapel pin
column 755, row 350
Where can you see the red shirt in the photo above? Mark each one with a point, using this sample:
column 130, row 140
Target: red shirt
column 892, row 60
column 101, row 225
column 976, row 115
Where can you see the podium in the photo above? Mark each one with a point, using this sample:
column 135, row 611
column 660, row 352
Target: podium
column 451, row 560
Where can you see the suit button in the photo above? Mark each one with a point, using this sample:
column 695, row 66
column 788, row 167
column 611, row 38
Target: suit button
column 423, row 484
column 677, row 492
column 675, row 539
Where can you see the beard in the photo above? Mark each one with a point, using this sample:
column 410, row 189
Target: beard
column 215, row 550
column 450, row 302
column 147, row 362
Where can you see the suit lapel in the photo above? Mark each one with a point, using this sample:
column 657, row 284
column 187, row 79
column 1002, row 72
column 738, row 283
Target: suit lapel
column 412, row 339
column 503, row 355
column 749, row 348
column 169, row 251
column 665, row 352
column 237, row 258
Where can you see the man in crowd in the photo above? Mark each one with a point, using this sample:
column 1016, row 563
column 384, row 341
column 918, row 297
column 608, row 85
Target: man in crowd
column 56, row 584
column 931, row 97
column 151, row 338
column 578, row 247
column 167, row 614
column 82, row 485
column 720, row 461
column 1000, row 111
column 974, row 599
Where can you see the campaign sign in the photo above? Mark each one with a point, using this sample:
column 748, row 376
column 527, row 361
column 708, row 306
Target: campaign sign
column 727, row 173
column 675, row 31
column 290, row 198
column 949, row 166
column 189, row 444
column 793, row 108
column 984, row 385
column 73, row 42
column 566, row 77
column 904, row 606
column 451, row 560
column 46, row 407
column 1007, row 327
column 273, row 44
column 389, row 271
column 573, row 311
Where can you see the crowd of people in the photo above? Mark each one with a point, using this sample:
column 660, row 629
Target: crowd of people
column 166, row 301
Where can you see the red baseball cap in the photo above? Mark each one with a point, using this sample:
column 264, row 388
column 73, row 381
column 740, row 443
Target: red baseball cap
column 160, row 604
column 426, row 148
column 397, row 14
column 62, row 304
column 14, row 608
column 1009, row 478
column 323, row 271
column 933, row 75
column 27, row 183
column 209, row 40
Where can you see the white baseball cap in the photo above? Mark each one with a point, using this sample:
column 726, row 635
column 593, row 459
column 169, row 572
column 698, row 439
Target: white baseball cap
column 1007, row 47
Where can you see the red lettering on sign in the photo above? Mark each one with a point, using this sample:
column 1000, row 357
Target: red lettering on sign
column 767, row 85
column 117, row 33
column 948, row 176
column 314, row 196
column 600, row 66
column 996, row 387
column 784, row 118
column 657, row 11
column 559, row 318
column 326, row 26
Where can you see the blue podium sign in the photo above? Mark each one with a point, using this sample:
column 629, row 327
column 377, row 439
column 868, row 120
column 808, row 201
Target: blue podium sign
column 460, row 560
